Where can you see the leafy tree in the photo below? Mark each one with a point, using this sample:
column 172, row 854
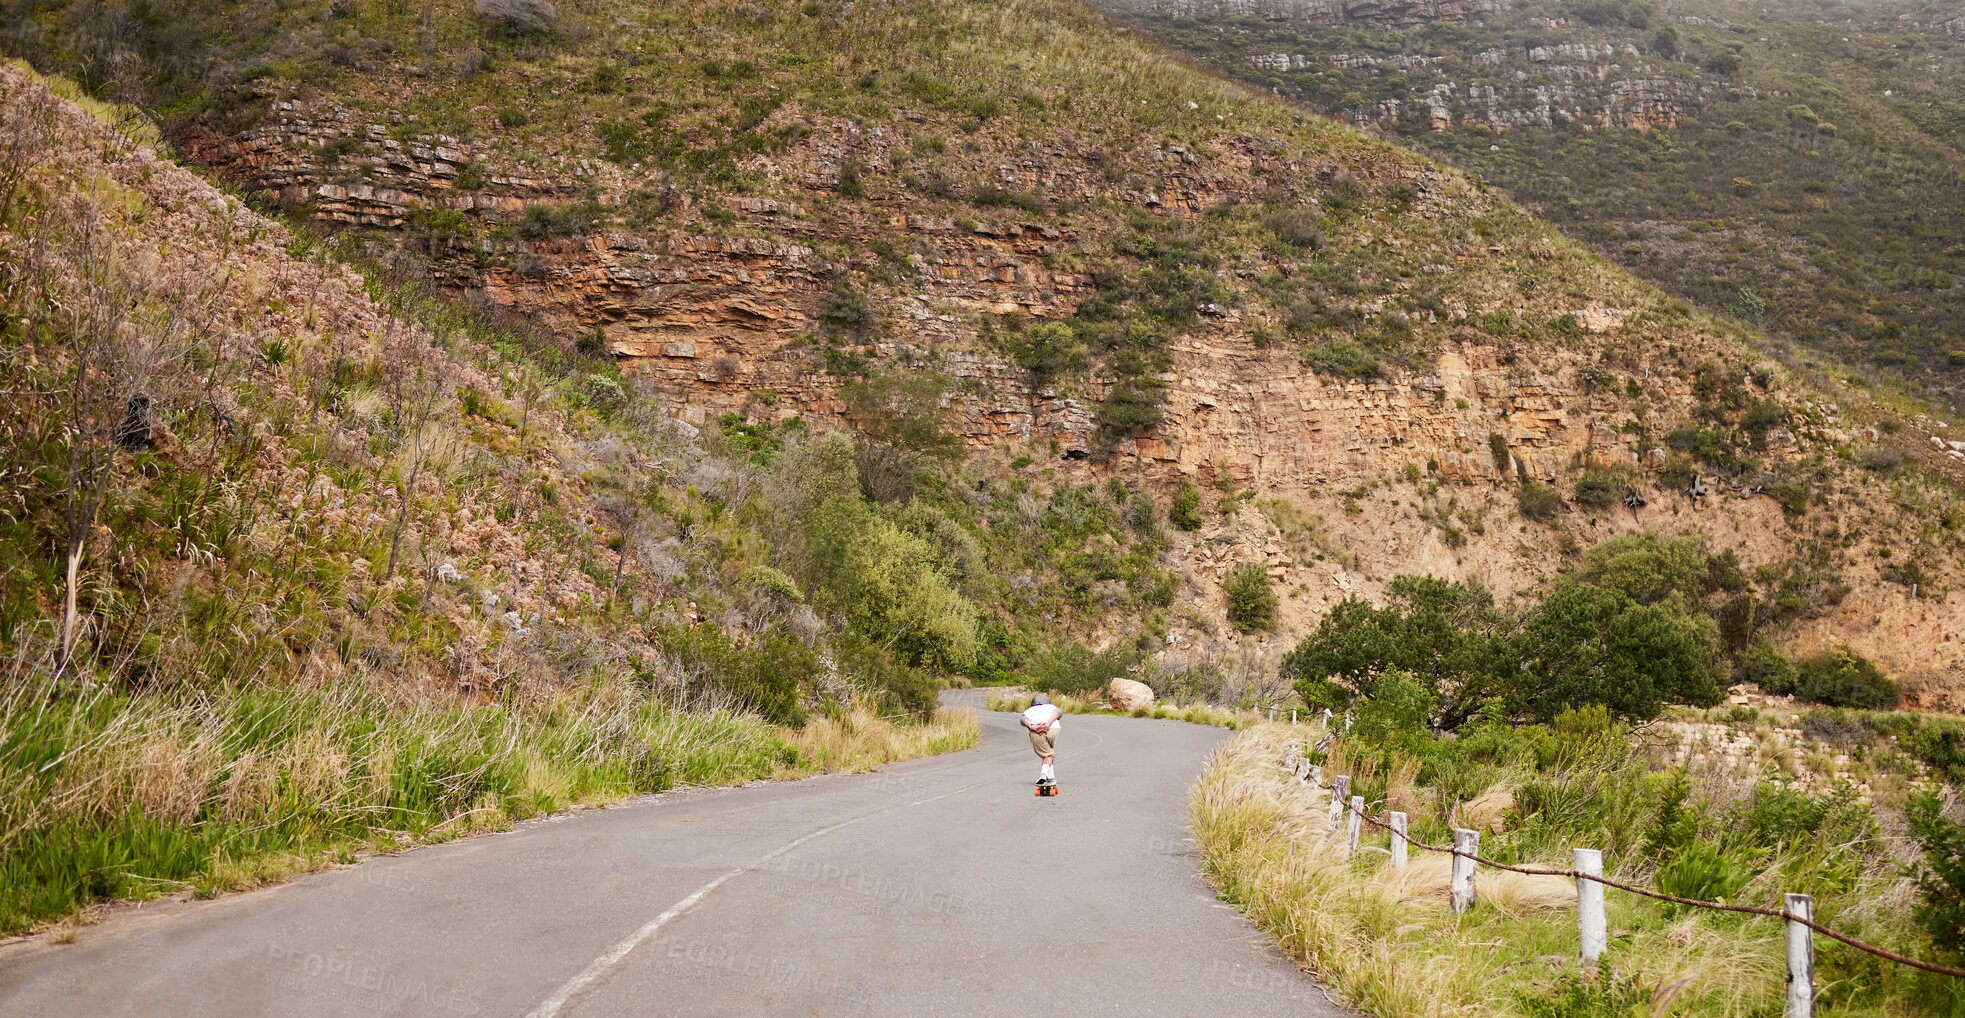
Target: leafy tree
column 1439, row 629
column 1399, row 712
column 1251, row 600
column 1589, row 644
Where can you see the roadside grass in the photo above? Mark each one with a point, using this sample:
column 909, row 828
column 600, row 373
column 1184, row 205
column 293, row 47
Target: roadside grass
column 1388, row 942
column 1193, row 713
column 104, row 795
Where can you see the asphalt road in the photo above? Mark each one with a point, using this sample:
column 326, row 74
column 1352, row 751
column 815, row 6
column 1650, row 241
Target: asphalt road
column 935, row 887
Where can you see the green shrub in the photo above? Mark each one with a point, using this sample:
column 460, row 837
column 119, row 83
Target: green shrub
column 1251, row 600
column 1703, row 871
column 1575, row 997
column 1538, row 501
column 1941, row 878
column 1399, row 711
column 542, row 220
column 1298, row 229
column 1842, row 678
column 1343, row 358
column 1764, row 665
column 1185, row 509
column 1068, row 666
column 1599, row 489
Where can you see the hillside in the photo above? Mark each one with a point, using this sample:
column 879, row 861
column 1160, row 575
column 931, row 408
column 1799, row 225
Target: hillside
column 1108, row 275
column 1794, row 164
column 296, row 562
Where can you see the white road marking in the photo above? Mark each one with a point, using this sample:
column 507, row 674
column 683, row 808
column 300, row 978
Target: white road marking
column 552, row 1005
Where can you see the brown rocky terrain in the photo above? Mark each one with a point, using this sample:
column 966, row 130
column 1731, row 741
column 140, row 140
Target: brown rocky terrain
column 1524, row 357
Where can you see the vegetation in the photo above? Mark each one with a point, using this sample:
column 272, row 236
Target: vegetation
column 1633, row 630
column 1794, row 172
column 1691, row 825
column 392, row 568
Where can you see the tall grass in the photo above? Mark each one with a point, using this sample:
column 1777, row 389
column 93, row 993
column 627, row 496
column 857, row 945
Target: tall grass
column 1388, row 941
column 109, row 795
column 1193, row 713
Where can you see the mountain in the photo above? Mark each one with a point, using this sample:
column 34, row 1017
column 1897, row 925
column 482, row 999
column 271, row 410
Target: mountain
column 1794, row 164
column 1116, row 279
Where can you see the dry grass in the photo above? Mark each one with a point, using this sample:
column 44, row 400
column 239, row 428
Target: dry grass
column 1387, row 940
column 1193, row 713
column 862, row 740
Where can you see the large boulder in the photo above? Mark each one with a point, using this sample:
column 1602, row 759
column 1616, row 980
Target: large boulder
column 1125, row 694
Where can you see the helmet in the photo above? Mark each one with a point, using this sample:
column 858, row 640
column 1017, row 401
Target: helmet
column 1039, row 699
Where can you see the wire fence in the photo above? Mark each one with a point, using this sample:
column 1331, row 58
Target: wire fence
column 1799, row 913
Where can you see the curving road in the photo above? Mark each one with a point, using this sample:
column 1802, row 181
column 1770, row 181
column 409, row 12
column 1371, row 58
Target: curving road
column 935, row 887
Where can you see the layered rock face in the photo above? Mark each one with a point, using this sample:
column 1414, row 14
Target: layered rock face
column 726, row 319
column 1333, row 12
column 1598, row 86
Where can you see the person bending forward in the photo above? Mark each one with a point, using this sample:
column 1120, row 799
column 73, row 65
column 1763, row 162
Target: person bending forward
column 1044, row 719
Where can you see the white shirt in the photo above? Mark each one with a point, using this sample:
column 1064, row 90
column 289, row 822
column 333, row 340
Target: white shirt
column 1040, row 713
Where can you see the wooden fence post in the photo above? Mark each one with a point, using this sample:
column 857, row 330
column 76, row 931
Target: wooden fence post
column 1466, row 845
column 1340, row 789
column 1801, row 957
column 1590, row 925
column 1352, row 819
column 1397, row 821
column 1317, row 776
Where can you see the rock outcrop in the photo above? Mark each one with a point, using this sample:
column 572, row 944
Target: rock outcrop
column 1128, row 695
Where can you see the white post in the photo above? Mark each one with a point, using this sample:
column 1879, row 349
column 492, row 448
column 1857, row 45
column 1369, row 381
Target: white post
column 1397, row 821
column 1292, row 715
column 1351, row 821
column 1317, row 777
column 1466, row 845
column 1590, row 925
column 1302, row 771
column 1340, row 789
column 1801, row 957
column 1272, row 712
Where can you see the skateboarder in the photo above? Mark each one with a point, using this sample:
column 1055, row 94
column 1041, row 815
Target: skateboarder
column 1043, row 719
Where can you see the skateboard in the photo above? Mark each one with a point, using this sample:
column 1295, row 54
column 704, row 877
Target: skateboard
column 1047, row 788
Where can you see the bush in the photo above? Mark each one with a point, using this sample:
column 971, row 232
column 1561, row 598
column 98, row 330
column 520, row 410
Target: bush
column 1399, row 711
column 1131, row 407
column 1251, row 600
column 1298, row 229
column 1185, row 509
column 1071, row 667
column 1941, row 880
column 1841, row 678
column 1599, row 489
column 1344, row 358
column 542, row 220
column 1538, row 501
column 1764, row 665
column 517, row 16
column 1703, row 871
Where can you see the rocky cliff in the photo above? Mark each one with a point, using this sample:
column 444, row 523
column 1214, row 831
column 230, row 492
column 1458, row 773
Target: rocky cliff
column 1360, row 355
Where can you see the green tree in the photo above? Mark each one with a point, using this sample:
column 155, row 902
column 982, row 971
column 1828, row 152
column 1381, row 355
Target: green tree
column 1589, row 644
column 1441, row 630
column 1251, row 599
column 1399, row 713
column 1647, row 567
column 897, row 416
